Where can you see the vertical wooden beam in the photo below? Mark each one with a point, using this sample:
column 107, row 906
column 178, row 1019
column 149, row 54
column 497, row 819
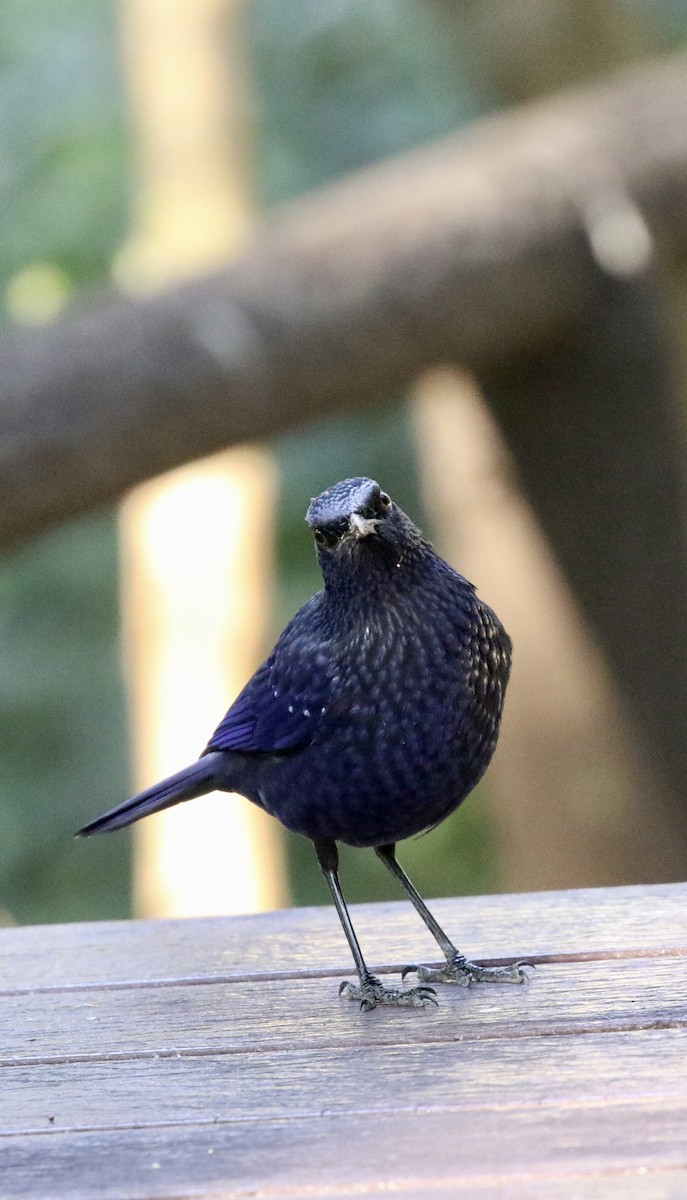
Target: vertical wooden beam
column 597, row 434
column 574, row 799
column 189, row 105
column 196, row 544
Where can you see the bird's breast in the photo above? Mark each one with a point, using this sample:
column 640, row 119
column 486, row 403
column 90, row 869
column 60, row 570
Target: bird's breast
column 408, row 727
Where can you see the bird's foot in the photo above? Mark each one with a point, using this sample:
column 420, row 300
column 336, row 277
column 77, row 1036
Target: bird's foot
column 371, row 993
column 459, row 970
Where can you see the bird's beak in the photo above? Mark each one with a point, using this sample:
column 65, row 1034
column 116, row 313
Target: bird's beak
column 362, row 526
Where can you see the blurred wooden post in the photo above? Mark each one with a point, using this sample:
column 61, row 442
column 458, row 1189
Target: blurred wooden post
column 575, row 801
column 196, row 544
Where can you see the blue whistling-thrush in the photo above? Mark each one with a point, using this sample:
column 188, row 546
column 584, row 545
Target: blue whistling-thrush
column 372, row 719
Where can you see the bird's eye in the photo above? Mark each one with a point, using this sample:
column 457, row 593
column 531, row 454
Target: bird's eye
column 320, row 537
column 384, row 500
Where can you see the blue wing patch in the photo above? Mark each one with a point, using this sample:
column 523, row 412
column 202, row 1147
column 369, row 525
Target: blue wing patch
column 281, row 707
column 267, row 718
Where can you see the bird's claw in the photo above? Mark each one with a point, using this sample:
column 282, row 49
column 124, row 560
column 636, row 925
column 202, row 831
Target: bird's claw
column 459, row 970
column 371, row 993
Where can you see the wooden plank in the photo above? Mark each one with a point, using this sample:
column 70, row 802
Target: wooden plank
column 602, row 1185
column 407, row 1152
column 309, row 942
column 562, row 998
column 211, row 1088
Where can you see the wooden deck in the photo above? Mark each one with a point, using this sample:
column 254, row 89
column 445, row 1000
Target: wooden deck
column 214, row 1057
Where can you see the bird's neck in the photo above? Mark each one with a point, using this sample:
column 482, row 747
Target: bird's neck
column 379, row 581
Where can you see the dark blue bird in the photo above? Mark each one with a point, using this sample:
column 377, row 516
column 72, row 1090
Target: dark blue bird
column 372, row 719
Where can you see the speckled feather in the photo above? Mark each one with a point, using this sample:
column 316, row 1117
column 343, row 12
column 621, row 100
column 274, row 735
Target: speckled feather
column 379, row 708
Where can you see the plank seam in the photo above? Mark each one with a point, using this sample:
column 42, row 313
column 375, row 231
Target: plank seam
column 330, row 972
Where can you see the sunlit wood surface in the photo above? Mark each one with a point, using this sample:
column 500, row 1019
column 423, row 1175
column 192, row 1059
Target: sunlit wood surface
column 213, row 1057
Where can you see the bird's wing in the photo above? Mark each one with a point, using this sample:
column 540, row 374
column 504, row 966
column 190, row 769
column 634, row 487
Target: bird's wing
column 281, row 707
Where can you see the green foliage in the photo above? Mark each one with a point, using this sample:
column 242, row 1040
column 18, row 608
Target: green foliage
column 62, row 137
column 62, row 731
column 456, row 859
column 61, row 726
column 338, row 83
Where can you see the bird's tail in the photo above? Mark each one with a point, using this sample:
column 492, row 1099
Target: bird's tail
column 193, row 781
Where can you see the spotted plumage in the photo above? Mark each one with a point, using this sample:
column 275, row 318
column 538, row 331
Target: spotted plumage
column 376, row 713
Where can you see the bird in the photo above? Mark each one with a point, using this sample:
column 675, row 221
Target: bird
column 374, row 716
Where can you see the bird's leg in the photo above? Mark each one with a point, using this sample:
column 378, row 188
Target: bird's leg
column 458, row 969
column 369, row 991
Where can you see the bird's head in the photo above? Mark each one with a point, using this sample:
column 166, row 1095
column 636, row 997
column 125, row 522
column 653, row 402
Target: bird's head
column 356, row 525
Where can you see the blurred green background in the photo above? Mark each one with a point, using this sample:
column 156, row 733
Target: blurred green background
column 336, row 84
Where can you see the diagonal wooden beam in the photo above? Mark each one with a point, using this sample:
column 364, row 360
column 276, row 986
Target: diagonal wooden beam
column 476, row 249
